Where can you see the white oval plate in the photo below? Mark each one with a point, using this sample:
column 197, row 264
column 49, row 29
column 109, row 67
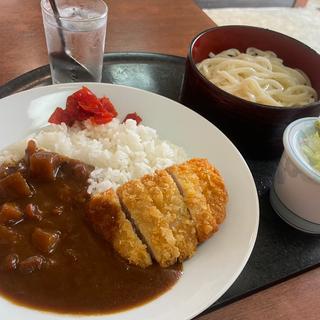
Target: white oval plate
column 218, row 262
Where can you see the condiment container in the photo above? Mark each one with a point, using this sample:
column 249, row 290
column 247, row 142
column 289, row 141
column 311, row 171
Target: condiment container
column 295, row 194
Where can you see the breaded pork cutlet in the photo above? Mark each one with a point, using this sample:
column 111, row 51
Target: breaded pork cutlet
column 108, row 219
column 167, row 198
column 150, row 222
column 190, row 188
column 212, row 186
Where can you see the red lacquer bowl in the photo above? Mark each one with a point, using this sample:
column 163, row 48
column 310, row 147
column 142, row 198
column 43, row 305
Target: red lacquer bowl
column 255, row 129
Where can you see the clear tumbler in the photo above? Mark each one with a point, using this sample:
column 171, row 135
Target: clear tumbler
column 76, row 42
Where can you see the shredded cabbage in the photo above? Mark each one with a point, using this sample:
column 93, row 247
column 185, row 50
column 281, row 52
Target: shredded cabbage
column 311, row 147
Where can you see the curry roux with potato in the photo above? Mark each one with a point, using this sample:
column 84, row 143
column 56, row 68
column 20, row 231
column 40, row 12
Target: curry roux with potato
column 50, row 258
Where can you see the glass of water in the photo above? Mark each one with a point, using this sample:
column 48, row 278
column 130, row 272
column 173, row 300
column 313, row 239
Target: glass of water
column 75, row 39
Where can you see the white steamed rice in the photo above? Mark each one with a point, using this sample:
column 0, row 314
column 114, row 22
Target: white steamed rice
column 118, row 151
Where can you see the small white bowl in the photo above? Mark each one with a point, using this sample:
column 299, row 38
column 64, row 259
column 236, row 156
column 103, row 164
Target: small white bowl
column 295, row 194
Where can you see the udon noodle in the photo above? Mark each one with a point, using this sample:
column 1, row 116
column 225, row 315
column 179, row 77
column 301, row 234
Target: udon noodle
column 258, row 76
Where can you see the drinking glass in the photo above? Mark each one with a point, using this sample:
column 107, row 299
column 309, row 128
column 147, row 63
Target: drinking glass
column 76, row 42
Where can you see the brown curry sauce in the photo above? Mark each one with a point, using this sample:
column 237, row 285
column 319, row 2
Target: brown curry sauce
column 50, row 258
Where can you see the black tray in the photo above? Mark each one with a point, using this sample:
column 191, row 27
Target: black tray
column 280, row 251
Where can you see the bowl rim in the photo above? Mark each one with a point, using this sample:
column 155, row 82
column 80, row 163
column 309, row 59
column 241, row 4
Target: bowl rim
column 297, row 157
column 256, row 105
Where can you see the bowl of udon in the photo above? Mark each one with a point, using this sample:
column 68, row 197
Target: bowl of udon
column 251, row 83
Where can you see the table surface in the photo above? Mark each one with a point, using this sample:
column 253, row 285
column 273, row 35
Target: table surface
column 163, row 26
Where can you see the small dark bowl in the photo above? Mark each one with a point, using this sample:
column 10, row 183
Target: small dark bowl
column 256, row 129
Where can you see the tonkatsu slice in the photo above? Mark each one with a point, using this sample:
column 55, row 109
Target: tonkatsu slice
column 212, row 186
column 108, row 219
column 196, row 202
column 150, row 223
column 163, row 215
column 167, row 198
